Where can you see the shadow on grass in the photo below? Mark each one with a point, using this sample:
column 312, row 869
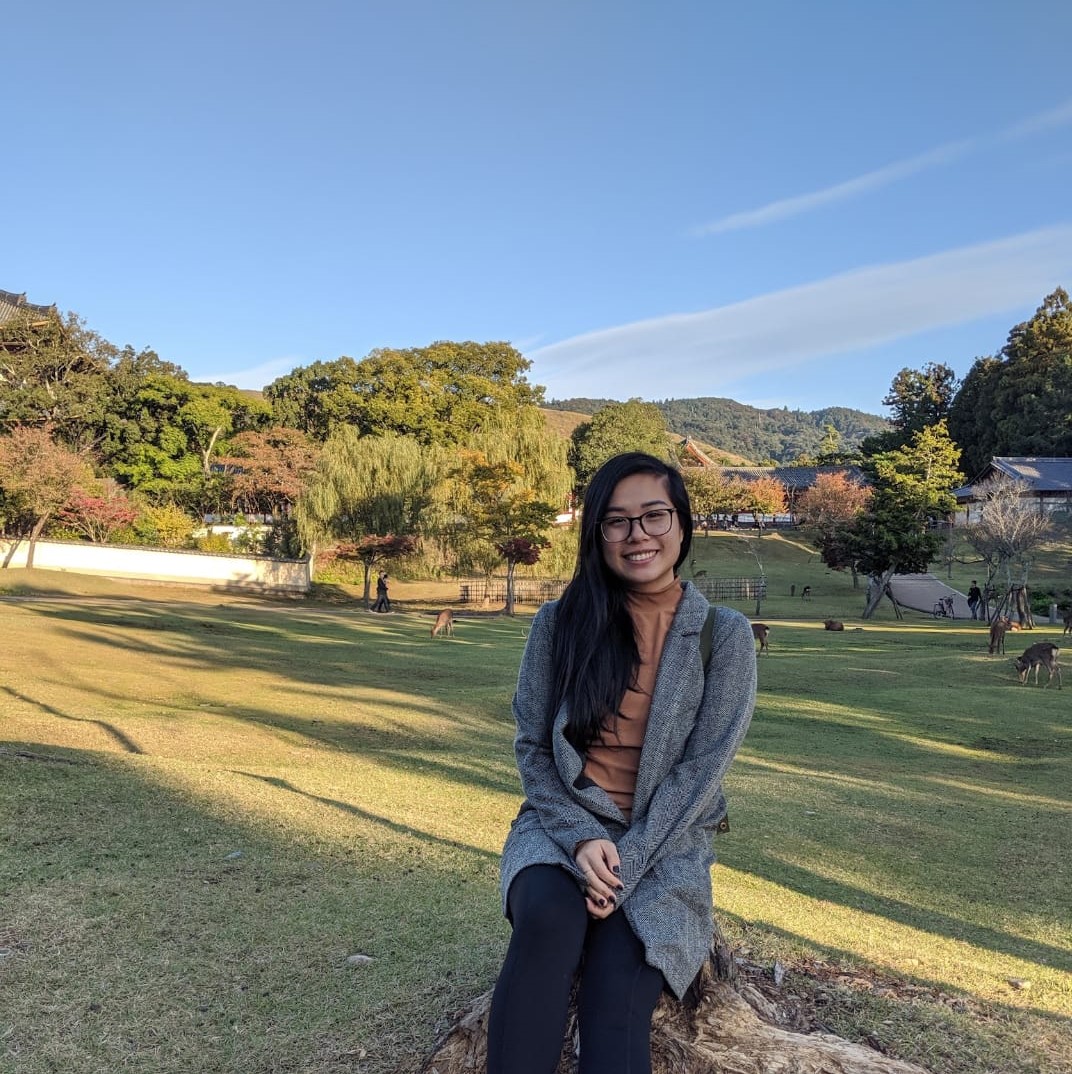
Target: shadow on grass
column 364, row 814
column 205, row 942
column 124, row 741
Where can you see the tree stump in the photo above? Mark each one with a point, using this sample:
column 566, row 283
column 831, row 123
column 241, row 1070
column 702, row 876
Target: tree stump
column 725, row 1025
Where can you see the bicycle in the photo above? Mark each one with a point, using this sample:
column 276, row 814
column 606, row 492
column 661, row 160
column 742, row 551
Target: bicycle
column 943, row 608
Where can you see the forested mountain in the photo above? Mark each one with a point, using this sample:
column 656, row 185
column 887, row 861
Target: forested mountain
column 779, row 434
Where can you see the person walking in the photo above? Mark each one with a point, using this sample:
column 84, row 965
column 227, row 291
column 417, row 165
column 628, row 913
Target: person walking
column 632, row 698
column 975, row 597
column 383, row 603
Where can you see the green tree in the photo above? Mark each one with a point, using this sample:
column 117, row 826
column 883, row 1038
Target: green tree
column 918, row 398
column 164, row 434
column 911, row 491
column 53, row 371
column 38, row 477
column 371, row 486
column 1020, row 403
column 616, row 428
column 437, row 394
column 500, row 512
column 971, row 416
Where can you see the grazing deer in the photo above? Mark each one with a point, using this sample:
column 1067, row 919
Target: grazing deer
column 445, row 623
column 998, row 629
column 760, row 632
column 1042, row 654
column 833, row 624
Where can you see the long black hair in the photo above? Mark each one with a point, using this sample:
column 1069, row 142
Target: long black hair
column 594, row 653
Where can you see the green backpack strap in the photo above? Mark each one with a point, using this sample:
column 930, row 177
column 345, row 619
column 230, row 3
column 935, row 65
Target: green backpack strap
column 706, row 634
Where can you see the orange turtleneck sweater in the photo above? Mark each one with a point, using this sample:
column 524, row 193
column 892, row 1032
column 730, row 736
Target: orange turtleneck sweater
column 613, row 759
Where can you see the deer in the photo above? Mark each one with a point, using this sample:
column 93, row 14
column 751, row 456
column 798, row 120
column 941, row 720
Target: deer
column 1042, row 654
column 833, row 624
column 445, row 623
column 760, row 632
column 998, row 629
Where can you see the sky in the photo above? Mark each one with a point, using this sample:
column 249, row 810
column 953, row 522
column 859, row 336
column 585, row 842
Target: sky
column 780, row 203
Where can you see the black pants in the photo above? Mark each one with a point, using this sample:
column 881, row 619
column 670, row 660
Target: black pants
column 618, row 990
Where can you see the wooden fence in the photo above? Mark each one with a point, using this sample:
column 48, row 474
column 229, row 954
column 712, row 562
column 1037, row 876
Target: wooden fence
column 722, row 589
column 526, row 591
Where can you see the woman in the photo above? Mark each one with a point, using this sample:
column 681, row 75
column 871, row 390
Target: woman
column 623, row 739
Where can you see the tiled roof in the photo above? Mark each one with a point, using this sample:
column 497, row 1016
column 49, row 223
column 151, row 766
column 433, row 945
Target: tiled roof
column 1041, row 475
column 793, row 477
column 10, row 304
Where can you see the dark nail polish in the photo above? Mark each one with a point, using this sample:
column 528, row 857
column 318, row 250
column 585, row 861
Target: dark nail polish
column 616, row 870
column 612, row 900
column 602, row 902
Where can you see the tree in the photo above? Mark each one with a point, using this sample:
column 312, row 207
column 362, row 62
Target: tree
column 971, row 417
column 833, row 500
column 517, row 550
column 616, row 428
column 268, row 470
column 1020, row 403
column 374, row 549
column 918, row 399
column 500, row 513
column 829, row 508
column 371, row 486
column 164, row 433
column 53, row 372
column 38, row 477
column 1008, row 529
column 99, row 511
column 912, row 489
column 764, row 496
column 437, row 394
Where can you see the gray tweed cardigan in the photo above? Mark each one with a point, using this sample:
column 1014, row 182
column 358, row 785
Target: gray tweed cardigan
column 696, row 723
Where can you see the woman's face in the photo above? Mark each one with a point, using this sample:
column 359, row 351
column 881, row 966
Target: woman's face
column 640, row 560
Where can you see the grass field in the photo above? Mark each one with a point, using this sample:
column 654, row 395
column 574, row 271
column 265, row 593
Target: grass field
column 245, row 836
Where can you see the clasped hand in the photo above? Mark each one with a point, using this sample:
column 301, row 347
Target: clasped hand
column 598, row 860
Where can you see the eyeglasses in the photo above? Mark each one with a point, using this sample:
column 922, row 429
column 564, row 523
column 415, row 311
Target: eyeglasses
column 619, row 527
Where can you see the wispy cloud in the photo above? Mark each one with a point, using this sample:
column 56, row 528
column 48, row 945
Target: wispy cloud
column 802, row 203
column 703, row 353
column 785, row 208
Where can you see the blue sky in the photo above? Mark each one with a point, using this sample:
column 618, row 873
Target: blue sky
column 782, row 203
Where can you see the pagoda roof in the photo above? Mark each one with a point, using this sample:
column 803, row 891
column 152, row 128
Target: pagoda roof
column 12, row 304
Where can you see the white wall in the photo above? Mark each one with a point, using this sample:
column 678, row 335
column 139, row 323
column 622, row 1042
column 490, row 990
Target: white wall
column 259, row 573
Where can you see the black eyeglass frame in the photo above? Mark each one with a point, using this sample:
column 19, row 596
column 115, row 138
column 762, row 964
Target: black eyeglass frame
column 670, row 512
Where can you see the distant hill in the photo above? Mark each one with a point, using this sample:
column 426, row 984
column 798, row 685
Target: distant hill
column 756, row 435
column 564, row 422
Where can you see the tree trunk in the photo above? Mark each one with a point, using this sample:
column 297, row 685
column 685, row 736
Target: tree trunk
column 724, row 1026
column 368, row 579
column 510, row 565
column 876, row 590
column 38, row 526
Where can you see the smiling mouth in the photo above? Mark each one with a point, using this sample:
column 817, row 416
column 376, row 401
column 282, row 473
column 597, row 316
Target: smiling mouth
column 640, row 557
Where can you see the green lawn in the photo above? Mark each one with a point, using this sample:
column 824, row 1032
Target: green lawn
column 207, row 808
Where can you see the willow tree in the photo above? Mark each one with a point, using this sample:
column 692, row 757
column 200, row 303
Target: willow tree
column 367, row 487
